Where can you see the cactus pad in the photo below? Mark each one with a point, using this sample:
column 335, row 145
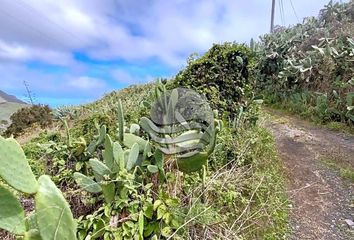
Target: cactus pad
column 12, row 216
column 14, row 168
column 54, row 218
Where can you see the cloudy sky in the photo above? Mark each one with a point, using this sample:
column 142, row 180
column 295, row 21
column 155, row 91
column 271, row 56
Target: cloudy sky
column 73, row 51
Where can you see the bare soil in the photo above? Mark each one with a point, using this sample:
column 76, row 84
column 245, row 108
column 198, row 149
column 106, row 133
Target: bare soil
column 321, row 199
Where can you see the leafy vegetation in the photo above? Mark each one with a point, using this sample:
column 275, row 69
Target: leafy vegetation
column 52, row 217
column 308, row 68
column 121, row 184
column 222, row 74
column 27, row 117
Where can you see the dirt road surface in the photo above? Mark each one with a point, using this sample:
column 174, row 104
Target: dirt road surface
column 322, row 200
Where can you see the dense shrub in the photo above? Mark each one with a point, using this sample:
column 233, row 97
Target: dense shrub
column 26, row 117
column 314, row 58
column 221, row 74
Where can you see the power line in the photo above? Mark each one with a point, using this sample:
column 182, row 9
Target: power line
column 292, row 6
column 281, row 12
column 282, row 6
column 272, row 17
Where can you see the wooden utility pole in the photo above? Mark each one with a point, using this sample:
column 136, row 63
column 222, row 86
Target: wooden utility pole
column 272, row 18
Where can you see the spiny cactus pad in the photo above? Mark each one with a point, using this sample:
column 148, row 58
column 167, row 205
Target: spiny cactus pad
column 54, row 218
column 12, row 216
column 14, row 168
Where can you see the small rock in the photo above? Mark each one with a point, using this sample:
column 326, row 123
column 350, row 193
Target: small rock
column 349, row 222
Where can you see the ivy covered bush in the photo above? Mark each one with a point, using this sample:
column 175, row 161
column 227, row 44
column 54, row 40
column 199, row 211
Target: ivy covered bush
column 221, row 74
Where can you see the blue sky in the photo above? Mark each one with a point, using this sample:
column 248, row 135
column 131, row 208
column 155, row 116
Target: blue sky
column 72, row 52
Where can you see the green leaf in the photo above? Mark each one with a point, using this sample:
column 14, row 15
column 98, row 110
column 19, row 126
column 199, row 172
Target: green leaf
column 87, row 183
column 54, row 218
column 131, row 139
column 141, row 224
column 108, row 192
column 157, row 203
column 108, row 153
column 239, row 59
column 152, row 168
column 147, row 151
column 118, row 155
column 32, row 234
column 148, row 210
column 14, row 167
column 193, row 163
column 134, row 128
column 133, row 156
column 161, row 210
column 12, row 216
column 166, row 232
column 102, row 134
column 98, row 229
column 159, row 158
column 99, row 169
column 120, row 121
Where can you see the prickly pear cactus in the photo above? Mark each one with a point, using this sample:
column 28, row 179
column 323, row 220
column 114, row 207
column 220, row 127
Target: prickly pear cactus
column 54, row 218
column 12, row 216
column 14, row 168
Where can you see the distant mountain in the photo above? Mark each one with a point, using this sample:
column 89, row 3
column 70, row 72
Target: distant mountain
column 4, row 97
column 9, row 104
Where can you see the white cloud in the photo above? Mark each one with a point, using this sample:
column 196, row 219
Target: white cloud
column 132, row 30
column 124, row 77
column 86, row 83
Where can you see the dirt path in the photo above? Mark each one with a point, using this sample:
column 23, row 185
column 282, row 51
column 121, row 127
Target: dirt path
column 322, row 201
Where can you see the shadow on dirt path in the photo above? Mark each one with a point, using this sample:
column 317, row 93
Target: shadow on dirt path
column 322, row 201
